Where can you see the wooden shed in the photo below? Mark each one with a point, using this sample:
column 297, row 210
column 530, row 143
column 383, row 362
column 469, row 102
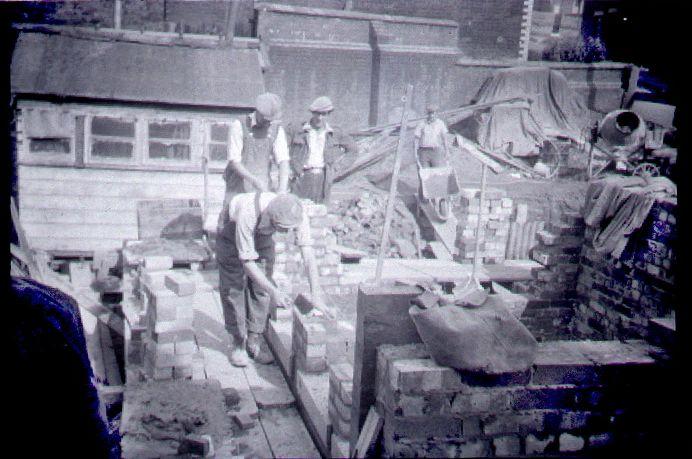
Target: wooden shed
column 103, row 124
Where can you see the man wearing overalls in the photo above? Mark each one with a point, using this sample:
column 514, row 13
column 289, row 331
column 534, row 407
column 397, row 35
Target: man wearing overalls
column 245, row 255
column 316, row 150
column 254, row 144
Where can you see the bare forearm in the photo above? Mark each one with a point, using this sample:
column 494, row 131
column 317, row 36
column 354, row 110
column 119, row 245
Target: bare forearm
column 241, row 170
column 259, row 278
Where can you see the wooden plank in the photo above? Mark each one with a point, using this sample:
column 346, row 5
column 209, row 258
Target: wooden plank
column 369, row 434
column 72, row 231
column 126, row 176
column 44, row 187
column 113, row 377
column 78, row 216
column 287, row 434
column 76, row 245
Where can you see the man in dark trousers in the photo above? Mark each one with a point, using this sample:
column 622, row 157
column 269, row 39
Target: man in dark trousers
column 245, row 254
column 316, row 150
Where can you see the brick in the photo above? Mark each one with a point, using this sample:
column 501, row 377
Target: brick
column 179, row 283
column 471, row 427
column 473, row 448
column 600, row 440
column 173, row 335
column 565, row 229
column 310, row 364
column 536, row 445
column 185, row 347
column 182, row 372
column 157, row 262
column 416, row 376
column 543, row 397
column 341, row 426
column 172, row 326
column 196, row 445
column 570, row 443
column 244, row 421
column 508, row 445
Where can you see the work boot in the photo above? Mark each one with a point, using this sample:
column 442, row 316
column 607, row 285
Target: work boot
column 239, row 357
column 256, row 351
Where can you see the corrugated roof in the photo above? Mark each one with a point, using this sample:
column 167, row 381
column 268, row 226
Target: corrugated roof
column 66, row 66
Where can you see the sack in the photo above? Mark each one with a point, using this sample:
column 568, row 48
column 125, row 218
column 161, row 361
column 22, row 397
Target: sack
column 487, row 338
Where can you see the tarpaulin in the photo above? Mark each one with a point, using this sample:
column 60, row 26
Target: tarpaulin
column 520, row 128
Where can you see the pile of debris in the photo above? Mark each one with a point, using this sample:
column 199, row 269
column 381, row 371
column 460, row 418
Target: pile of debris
column 358, row 222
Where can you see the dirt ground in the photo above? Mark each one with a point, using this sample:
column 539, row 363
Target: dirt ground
column 164, row 412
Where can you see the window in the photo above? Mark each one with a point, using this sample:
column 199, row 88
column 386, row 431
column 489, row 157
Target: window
column 55, row 145
column 169, row 140
column 112, row 138
column 218, row 142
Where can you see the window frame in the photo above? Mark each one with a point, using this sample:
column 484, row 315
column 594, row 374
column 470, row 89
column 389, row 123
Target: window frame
column 149, row 161
column 45, row 157
column 208, row 141
column 89, row 157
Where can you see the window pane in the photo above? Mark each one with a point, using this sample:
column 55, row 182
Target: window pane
column 111, row 149
column 49, row 146
column 218, row 152
column 100, row 125
column 219, row 133
column 170, row 130
column 159, row 150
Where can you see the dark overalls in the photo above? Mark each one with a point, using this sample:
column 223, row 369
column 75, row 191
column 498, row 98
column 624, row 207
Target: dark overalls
column 245, row 307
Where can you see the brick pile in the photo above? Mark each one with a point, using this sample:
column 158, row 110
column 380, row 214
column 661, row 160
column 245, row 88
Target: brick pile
column 168, row 344
column 494, row 225
column 289, row 269
column 559, row 406
column 553, row 290
column 617, row 297
column 357, row 223
column 340, row 400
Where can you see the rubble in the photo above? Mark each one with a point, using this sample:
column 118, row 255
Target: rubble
column 357, row 223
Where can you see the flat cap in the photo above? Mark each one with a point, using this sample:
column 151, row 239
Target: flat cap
column 268, row 105
column 321, row 104
column 285, row 210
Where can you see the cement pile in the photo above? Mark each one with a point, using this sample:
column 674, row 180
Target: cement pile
column 358, row 222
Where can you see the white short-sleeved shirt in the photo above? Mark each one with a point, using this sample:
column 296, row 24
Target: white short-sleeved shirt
column 280, row 147
column 431, row 135
column 241, row 210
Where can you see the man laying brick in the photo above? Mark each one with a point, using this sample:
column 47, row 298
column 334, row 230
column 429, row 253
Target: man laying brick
column 245, row 255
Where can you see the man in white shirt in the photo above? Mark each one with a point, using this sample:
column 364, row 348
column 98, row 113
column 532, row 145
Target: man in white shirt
column 429, row 140
column 317, row 149
column 255, row 143
column 245, row 254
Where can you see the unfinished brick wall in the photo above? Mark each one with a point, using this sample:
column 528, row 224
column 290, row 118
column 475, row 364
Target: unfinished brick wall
column 618, row 296
column 578, row 396
column 289, row 269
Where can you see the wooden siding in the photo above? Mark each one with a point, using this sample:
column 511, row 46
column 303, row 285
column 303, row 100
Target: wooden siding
column 70, row 209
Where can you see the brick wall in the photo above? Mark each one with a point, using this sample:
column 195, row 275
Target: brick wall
column 579, row 396
column 618, row 296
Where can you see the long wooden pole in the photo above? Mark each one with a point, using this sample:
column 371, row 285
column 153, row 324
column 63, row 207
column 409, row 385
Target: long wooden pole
column 384, row 242
column 231, row 16
column 476, row 251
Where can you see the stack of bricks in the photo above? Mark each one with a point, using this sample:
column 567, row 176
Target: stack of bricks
column 552, row 291
column 340, row 400
column 560, row 405
column 618, row 296
column 494, row 228
column 168, row 296
column 289, row 269
column 309, row 343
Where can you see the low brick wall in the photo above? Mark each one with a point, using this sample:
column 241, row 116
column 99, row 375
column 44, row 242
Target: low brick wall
column 617, row 297
column 578, row 396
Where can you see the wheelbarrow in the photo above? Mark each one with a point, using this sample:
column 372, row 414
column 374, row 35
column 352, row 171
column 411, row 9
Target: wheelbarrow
column 437, row 185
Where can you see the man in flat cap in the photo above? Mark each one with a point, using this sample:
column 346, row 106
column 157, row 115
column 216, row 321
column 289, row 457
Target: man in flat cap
column 429, row 139
column 316, row 150
column 256, row 143
column 246, row 261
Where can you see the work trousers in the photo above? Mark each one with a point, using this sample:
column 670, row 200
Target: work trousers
column 431, row 157
column 245, row 306
column 310, row 185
